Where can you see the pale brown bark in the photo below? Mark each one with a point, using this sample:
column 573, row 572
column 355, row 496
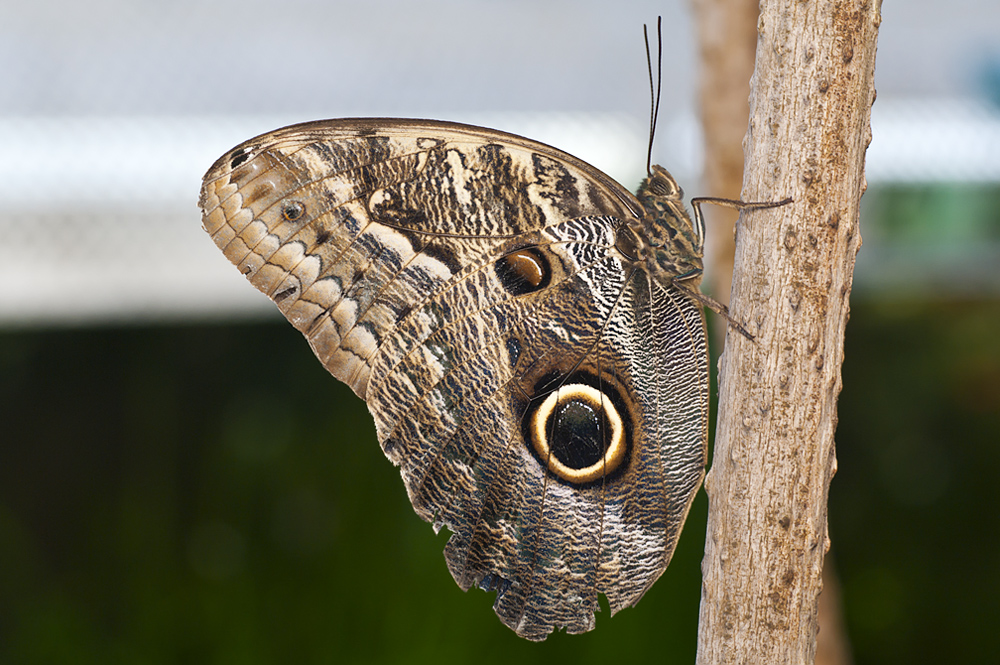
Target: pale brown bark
column 727, row 39
column 774, row 455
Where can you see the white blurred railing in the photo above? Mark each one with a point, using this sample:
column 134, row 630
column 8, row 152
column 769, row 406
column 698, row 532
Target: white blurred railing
column 99, row 218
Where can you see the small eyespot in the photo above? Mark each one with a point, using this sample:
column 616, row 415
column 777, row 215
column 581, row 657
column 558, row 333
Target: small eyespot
column 523, row 271
column 241, row 156
column 292, row 211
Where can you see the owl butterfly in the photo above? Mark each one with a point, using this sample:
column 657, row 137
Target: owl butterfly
column 527, row 334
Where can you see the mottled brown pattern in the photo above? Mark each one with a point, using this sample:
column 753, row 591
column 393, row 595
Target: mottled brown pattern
column 386, row 242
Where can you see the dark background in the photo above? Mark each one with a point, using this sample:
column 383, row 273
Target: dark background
column 161, row 501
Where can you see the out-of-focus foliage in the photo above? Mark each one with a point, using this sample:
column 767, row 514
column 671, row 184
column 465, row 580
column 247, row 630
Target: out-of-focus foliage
column 212, row 495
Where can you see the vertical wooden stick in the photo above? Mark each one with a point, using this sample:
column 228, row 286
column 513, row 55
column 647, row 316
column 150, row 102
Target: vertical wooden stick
column 811, row 100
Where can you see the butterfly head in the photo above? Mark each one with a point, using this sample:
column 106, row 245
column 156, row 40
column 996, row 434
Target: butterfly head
column 673, row 241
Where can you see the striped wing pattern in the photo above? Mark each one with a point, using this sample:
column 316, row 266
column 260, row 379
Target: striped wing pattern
column 398, row 249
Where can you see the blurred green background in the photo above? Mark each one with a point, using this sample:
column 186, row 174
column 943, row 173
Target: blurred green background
column 165, row 504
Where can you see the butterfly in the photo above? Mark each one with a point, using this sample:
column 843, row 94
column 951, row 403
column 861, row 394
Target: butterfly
column 528, row 336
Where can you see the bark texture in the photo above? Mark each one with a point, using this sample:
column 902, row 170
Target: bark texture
column 810, row 110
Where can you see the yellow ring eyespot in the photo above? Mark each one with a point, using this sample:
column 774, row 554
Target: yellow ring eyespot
column 578, row 432
column 292, row 211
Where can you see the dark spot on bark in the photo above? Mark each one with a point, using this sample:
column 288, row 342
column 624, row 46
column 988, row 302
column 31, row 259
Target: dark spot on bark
column 791, row 239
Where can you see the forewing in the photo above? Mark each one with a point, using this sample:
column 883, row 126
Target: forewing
column 347, row 224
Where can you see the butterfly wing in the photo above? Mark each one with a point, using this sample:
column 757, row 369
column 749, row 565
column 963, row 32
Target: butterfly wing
column 466, row 284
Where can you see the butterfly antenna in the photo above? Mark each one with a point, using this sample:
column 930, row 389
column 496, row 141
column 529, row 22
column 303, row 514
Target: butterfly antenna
column 654, row 91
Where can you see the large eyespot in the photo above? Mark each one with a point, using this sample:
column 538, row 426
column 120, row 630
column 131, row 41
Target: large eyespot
column 523, row 271
column 292, row 210
column 579, row 433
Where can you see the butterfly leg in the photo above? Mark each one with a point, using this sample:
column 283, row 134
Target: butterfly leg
column 735, row 204
column 715, row 306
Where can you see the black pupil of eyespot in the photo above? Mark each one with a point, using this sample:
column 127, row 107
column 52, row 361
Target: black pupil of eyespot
column 523, row 271
column 578, row 434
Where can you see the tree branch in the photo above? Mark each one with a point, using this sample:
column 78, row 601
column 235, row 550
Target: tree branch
column 774, row 455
